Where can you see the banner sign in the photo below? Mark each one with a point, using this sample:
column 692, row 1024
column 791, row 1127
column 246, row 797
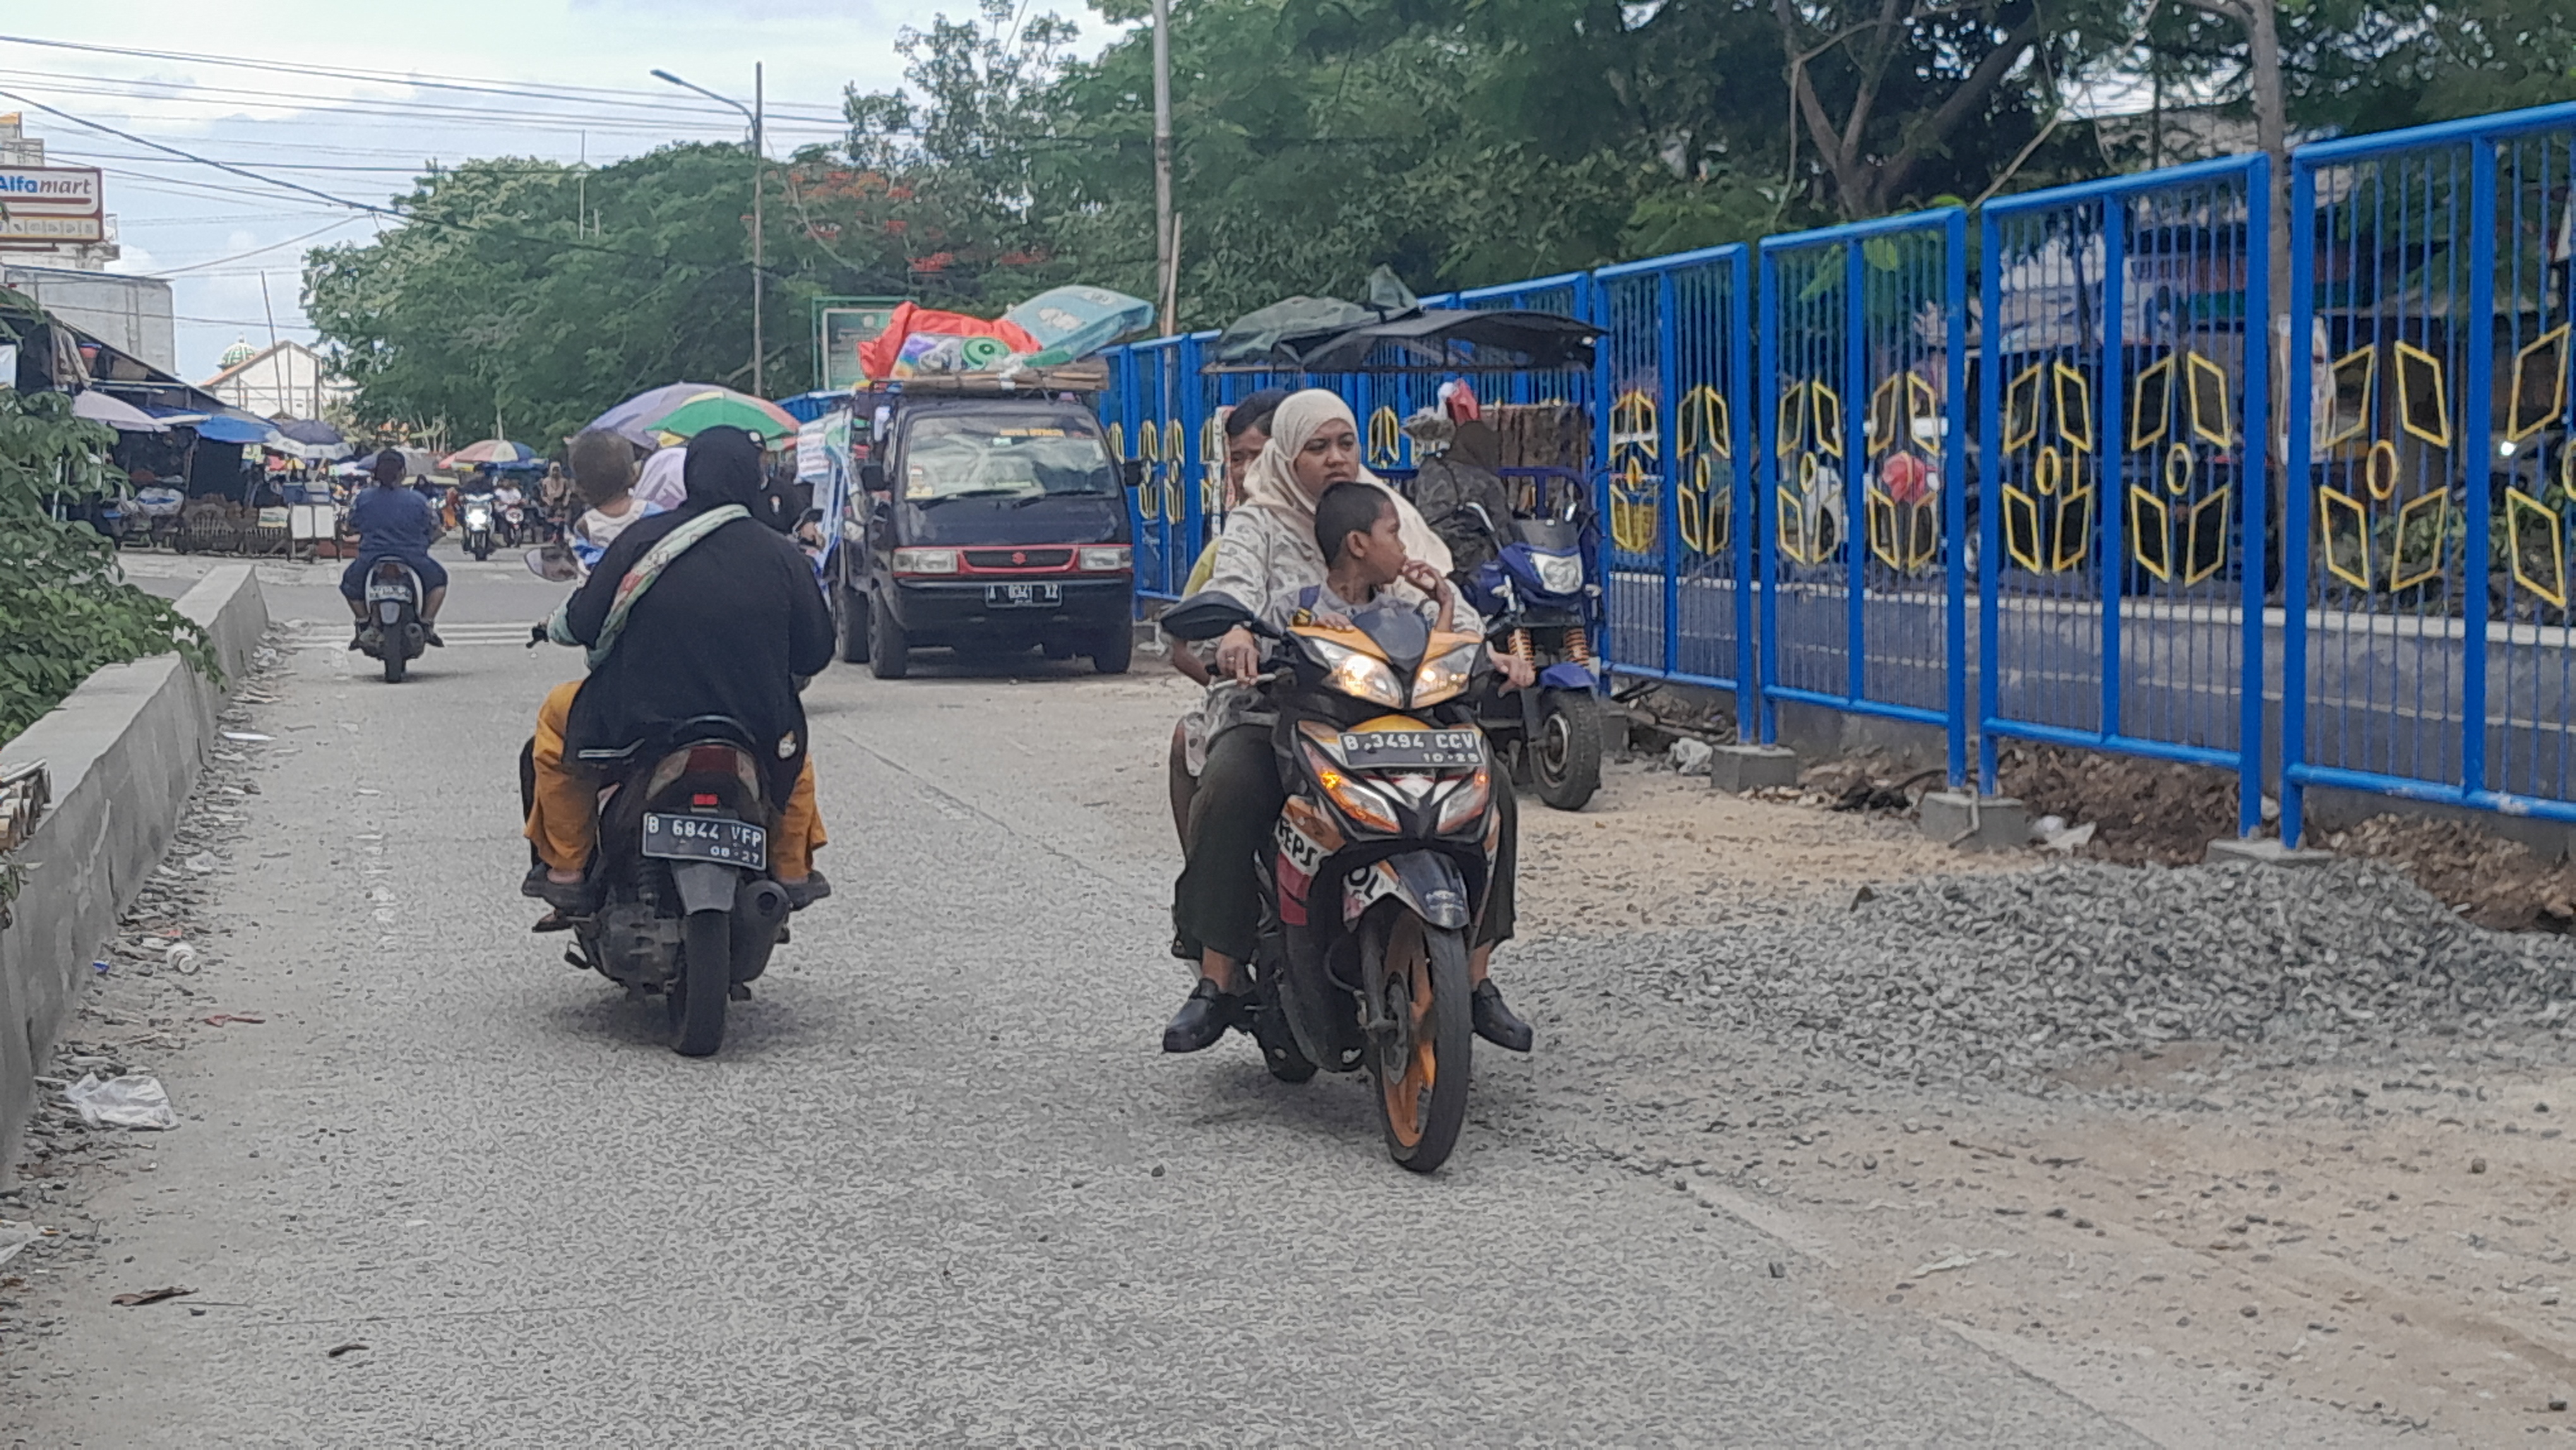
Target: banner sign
column 841, row 326
column 47, row 204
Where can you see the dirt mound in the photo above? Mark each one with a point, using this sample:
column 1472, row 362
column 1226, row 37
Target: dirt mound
column 2142, row 810
column 2503, row 884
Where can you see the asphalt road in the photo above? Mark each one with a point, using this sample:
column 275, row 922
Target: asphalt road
column 939, row 1188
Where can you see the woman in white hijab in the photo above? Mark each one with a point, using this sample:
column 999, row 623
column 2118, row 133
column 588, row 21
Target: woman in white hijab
column 1269, row 549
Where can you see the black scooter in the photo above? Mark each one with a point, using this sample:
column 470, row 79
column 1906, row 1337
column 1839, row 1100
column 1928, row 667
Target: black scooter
column 393, row 632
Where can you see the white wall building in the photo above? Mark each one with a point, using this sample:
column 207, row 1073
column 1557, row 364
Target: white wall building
column 287, row 380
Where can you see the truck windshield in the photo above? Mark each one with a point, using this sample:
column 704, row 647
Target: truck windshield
column 985, row 456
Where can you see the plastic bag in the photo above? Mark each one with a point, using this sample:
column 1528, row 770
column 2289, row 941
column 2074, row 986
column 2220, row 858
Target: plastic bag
column 919, row 341
column 1071, row 323
column 131, row 1101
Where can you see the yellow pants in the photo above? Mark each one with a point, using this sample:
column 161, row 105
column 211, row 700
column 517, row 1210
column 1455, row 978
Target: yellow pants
column 564, row 806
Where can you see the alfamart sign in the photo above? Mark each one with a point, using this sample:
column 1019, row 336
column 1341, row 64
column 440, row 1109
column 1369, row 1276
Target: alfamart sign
column 48, row 204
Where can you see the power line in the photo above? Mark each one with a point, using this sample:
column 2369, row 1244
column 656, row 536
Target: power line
column 255, row 251
column 604, row 95
column 676, row 119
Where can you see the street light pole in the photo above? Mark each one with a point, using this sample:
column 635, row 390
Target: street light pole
column 759, row 164
column 1166, row 242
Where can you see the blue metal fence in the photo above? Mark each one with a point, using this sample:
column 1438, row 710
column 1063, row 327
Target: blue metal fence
column 2121, row 392
column 2428, row 473
column 1800, row 530
column 1864, row 563
column 1675, row 458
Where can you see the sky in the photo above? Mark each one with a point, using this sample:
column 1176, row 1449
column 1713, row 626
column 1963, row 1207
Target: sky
column 584, row 67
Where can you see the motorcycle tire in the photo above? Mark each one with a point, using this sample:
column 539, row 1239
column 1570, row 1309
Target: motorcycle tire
column 1115, row 649
column 850, row 623
column 889, row 653
column 1421, row 1066
column 1565, row 759
column 695, row 1004
column 395, row 664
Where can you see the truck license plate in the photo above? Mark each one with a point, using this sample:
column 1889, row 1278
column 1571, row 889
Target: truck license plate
column 707, row 838
column 1023, row 596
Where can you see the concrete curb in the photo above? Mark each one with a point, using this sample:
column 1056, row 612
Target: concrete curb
column 123, row 752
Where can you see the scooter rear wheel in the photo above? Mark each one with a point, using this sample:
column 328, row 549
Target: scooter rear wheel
column 395, row 663
column 1421, row 1060
column 695, row 1004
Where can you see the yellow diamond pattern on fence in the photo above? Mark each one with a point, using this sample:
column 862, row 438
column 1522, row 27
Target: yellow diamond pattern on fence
column 1176, row 443
column 2356, row 397
column 2021, row 529
column 2150, row 533
column 2151, row 403
column 2074, row 530
column 1385, row 438
column 1149, row 451
column 2204, row 548
column 2423, row 406
column 2409, row 563
column 1632, row 506
column 1705, row 505
column 2345, row 527
column 2539, row 541
column 2209, row 418
column 1904, row 536
column 1798, row 531
column 1706, row 425
column 2074, row 408
column 2539, row 384
column 2021, row 409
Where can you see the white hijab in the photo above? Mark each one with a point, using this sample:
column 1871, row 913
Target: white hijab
column 1271, row 482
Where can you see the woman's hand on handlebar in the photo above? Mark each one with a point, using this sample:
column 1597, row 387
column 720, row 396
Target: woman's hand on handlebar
column 1238, row 655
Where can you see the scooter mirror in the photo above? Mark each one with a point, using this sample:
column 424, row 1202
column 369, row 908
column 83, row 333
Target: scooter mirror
column 1205, row 615
column 553, row 563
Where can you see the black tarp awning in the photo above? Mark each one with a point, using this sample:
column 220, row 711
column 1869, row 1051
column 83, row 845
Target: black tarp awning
column 1431, row 341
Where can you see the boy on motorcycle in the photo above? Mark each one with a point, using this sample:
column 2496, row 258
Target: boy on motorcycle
column 393, row 522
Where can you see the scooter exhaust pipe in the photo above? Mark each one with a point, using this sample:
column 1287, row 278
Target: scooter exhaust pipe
column 759, row 910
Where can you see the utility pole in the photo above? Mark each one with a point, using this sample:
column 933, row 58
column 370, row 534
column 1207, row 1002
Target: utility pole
column 759, row 277
column 1166, row 244
column 759, row 164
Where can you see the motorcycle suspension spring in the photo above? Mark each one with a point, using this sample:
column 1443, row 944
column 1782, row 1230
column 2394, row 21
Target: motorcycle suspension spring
column 1578, row 646
column 1521, row 644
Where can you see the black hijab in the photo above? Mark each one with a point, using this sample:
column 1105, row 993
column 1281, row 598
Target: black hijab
column 722, row 466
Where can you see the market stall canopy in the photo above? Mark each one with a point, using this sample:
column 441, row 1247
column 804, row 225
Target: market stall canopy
column 1453, row 340
column 1270, row 337
column 116, row 413
column 222, row 429
column 312, row 440
column 499, row 452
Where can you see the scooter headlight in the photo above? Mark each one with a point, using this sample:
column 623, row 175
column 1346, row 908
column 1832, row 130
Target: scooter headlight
column 1465, row 802
column 1445, row 675
column 477, row 519
column 1559, row 573
column 1361, row 803
column 1351, row 672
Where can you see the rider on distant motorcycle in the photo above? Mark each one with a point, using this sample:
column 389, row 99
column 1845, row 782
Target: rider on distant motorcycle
column 393, row 522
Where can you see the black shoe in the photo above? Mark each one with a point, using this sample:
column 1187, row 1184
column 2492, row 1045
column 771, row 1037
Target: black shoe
column 1202, row 1019
column 358, row 637
column 429, row 632
column 568, row 898
column 1495, row 1022
column 806, row 892
column 369, row 639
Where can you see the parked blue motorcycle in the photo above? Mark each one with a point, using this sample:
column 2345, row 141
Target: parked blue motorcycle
column 1537, row 604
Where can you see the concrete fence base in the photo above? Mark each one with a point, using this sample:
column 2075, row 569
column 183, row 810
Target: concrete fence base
column 123, row 752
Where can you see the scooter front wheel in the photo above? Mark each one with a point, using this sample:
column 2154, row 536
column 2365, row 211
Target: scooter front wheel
column 1421, row 1041
column 1565, row 756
